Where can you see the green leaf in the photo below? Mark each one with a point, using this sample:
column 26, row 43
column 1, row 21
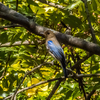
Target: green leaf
column 73, row 21
column 73, row 5
column 15, row 37
column 3, row 38
column 94, row 4
column 7, row 49
column 5, row 83
column 2, row 55
column 96, row 67
column 68, row 94
column 97, row 86
column 32, row 2
column 76, row 93
column 1, row 90
column 37, row 10
column 61, row 1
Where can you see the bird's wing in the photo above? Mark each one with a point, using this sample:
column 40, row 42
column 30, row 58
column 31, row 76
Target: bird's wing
column 57, row 51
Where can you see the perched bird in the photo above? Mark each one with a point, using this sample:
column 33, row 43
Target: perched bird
column 55, row 49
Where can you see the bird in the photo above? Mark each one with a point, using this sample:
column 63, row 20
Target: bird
column 55, row 49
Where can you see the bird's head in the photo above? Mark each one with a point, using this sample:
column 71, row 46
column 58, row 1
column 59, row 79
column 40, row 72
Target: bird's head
column 49, row 34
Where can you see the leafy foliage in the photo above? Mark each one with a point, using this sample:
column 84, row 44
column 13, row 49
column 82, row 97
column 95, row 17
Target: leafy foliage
column 16, row 60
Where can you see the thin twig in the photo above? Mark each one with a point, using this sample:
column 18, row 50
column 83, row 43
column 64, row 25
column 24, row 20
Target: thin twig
column 88, row 75
column 16, row 5
column 14, row 95
column 3, row 74
column 90, row 94
column 17, row 43
column 80, row 61
column 52, row 4
column 88, row 17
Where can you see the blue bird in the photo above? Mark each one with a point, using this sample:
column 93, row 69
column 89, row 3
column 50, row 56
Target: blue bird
column 55, row 50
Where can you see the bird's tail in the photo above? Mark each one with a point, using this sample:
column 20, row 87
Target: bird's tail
column 63, row 64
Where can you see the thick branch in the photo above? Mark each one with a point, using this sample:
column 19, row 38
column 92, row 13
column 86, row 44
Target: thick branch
column 37, row 29
column 80, row 43
column 9, row 11
column 8, row 16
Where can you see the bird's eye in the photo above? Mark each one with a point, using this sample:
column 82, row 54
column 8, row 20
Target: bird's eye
column 48, row 33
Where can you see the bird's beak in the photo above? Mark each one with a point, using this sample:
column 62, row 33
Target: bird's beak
column 43, row 33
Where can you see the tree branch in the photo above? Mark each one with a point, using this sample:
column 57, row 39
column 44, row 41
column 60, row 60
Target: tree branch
column 37, row 29
column 88, row 17
column 51, row 4
column 9, row 11
column 8, row 58
column 90, row 94
column 17, row 43
column 87, row 75
column 93, row 38
column 12, row 18
column 34, row 85
column 3, row 74
column 16, row 5
column 14, row 95
column 54, row 89
column 62, row 78
column 80, row 61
